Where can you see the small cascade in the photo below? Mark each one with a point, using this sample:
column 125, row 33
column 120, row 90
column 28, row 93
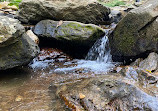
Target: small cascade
column 100, row 52
column 98, row 59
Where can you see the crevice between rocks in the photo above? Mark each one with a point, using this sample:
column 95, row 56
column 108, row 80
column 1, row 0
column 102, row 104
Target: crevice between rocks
column 146, row 25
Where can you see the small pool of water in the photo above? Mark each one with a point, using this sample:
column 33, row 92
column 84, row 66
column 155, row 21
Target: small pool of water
column 27, row 88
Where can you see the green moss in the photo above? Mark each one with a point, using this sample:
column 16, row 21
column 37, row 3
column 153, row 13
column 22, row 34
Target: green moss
column 78, row 32
column 113, row 3
column 73, row 25
column 13, row 2
column 124, row 43
column 1, row 38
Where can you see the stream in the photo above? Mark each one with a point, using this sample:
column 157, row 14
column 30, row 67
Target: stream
column 27, row 88
column 33, row 87
column 55, row 81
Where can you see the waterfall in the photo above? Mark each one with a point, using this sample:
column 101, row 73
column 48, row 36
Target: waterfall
column 98, row 59
column 100, row 51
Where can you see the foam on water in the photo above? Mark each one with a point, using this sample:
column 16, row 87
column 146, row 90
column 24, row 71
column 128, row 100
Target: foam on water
column 88, row 65
column 98, row 59
column 100, row 51
column 36, row 64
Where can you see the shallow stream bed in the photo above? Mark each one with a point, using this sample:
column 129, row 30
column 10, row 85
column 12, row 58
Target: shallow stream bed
column 27, row 88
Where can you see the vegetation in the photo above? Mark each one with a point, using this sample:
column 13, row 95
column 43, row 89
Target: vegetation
column 12, row 2
column 113, row 3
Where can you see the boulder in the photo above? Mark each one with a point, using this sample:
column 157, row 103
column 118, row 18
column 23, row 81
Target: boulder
column 103, row 93
column 86, row 11
column 33, row 36
column 116, row 16
column 10, row 30
column 150, row 63
column 16, row 47
column 137, row 32
column 73, row 37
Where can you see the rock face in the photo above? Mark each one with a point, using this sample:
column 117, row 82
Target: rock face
column 16, row 48
column 137, row 32
column 86, row 11
column 74, row 37
column 126, row 90
column 150, row 63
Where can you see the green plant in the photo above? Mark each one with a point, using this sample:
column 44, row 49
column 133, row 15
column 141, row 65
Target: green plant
column 15, row 2
column 12, row 2
column 113, row 3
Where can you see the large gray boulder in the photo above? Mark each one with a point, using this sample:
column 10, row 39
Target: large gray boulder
column 16, row 47
column 86, row 11
column 137, row 32
column 109, row 92
column 74, row 37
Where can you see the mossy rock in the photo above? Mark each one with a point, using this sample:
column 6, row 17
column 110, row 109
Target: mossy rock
column 75, row 36
column 137, row 32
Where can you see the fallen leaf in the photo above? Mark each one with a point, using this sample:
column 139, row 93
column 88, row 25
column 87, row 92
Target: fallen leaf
column 81, row 96
column 148, row 71
column 59, row 23
column 3, row 4
column 18, row 98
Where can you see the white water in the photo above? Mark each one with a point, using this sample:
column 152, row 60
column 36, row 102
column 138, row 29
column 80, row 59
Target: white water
column 88, row 66
column 98, row 59
column 100, row 51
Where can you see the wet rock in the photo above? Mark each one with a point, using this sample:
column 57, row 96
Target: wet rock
column 16, row 48
column 136, row 62
column 49, row 58
column 103, row 93
column 86, row 11
column 150, row 63
column 138, row 74
column 137, row 32
column 116, row 16
column 73, row 37
column 50, row 53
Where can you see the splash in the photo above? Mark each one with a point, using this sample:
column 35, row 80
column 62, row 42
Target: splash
column 98, row 59
column 100, row 51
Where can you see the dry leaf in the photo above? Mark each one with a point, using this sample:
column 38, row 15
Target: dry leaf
column 18, row 98
column 81, row 96
column 3, row 4
column 148, row 71
column 59, row 23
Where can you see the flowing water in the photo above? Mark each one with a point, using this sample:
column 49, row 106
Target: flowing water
column 98, row 59
column 100, row 51
column 27, row 88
